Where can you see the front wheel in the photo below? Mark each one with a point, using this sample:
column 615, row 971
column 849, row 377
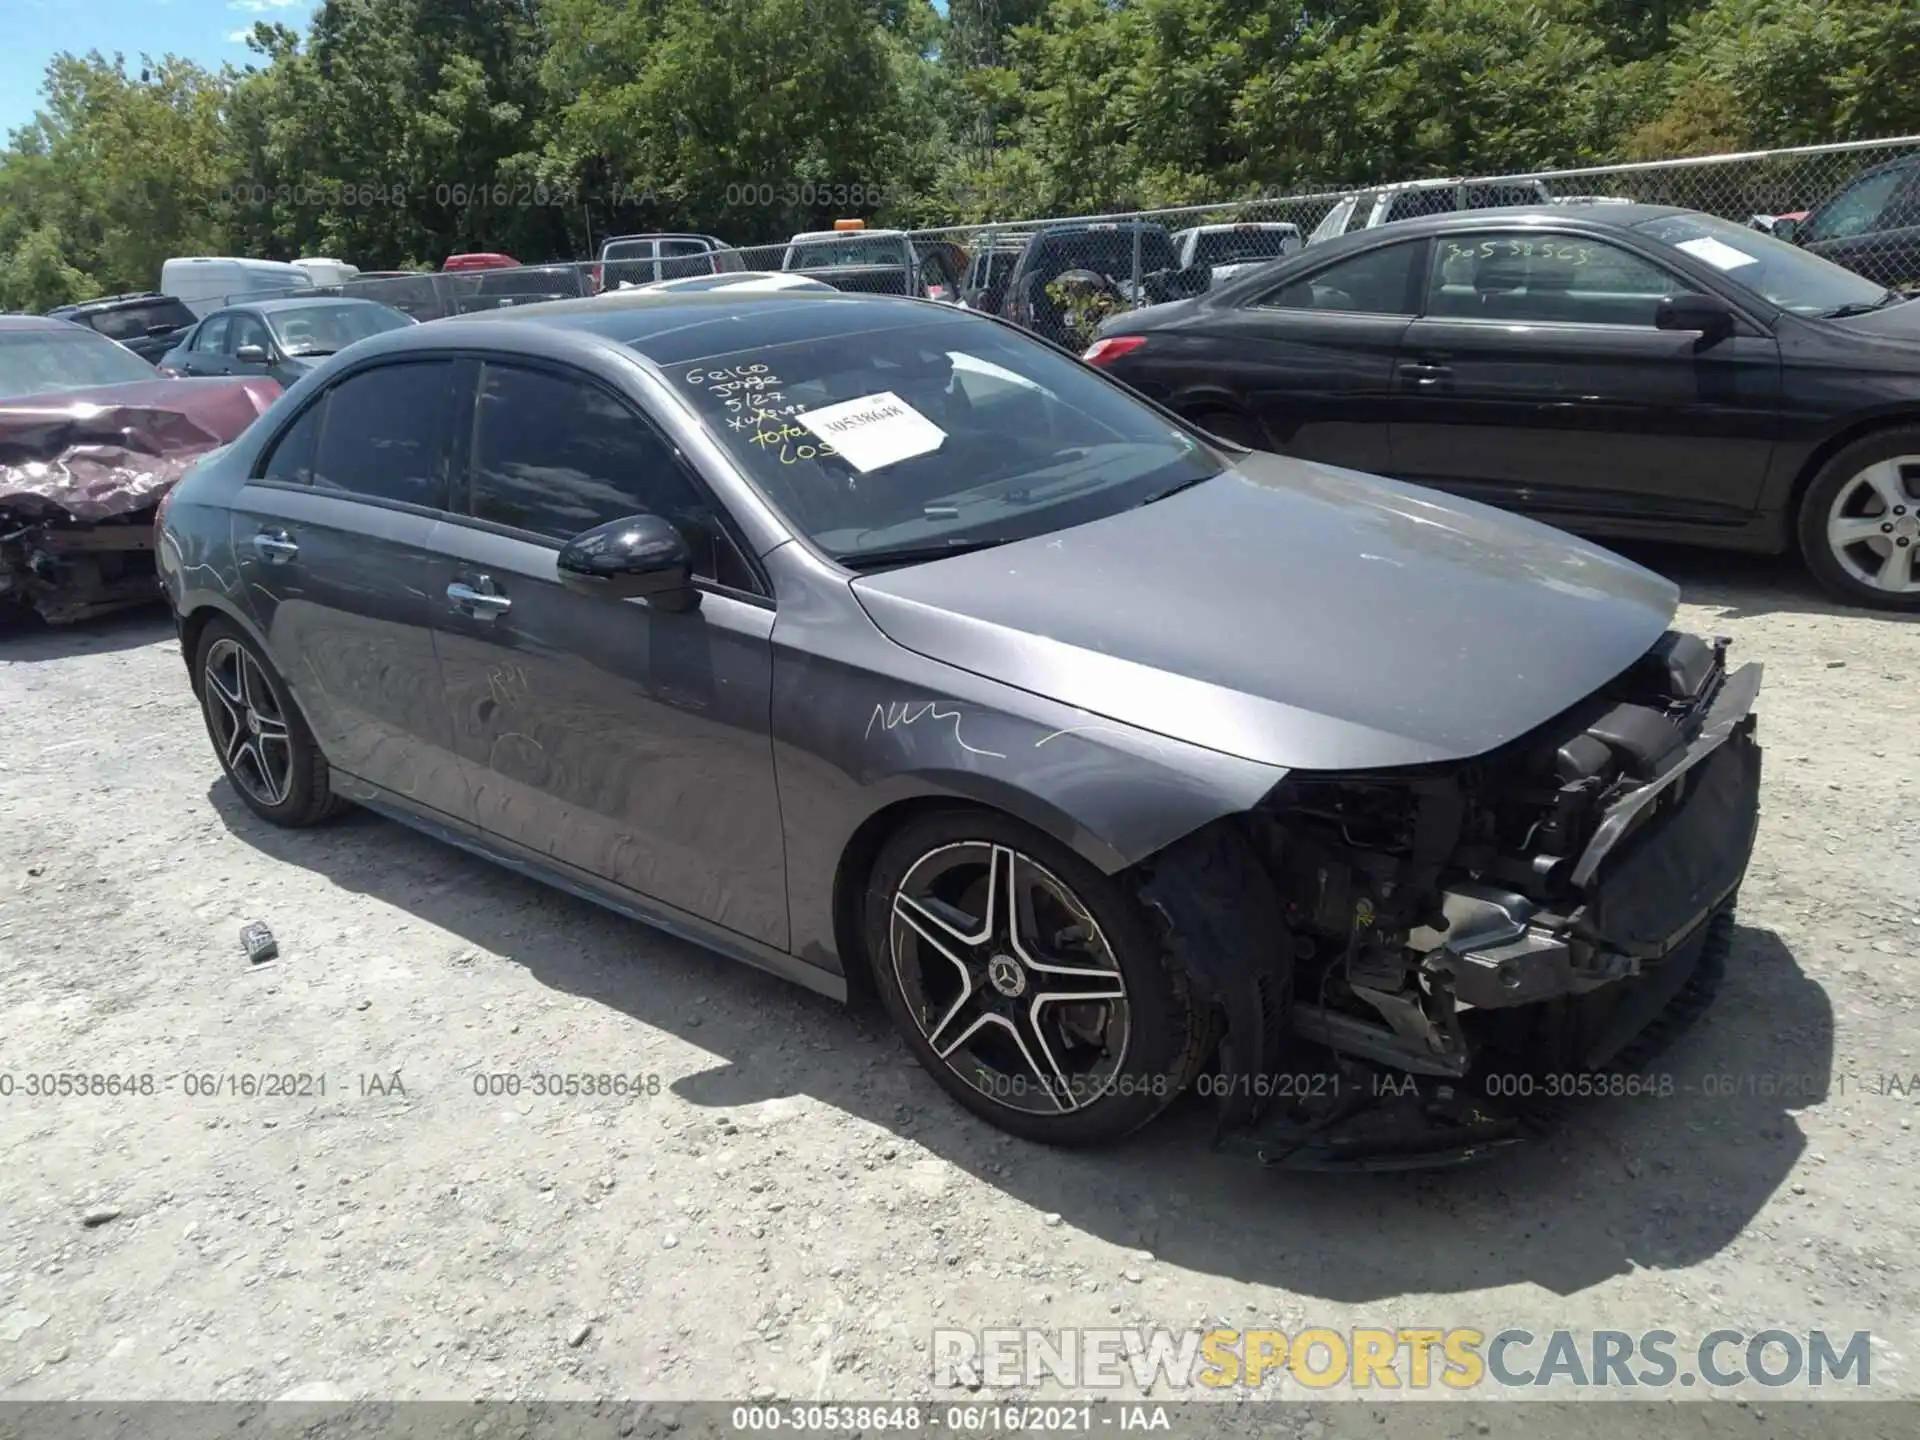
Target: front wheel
column 1029, row 984
column 1860, row 521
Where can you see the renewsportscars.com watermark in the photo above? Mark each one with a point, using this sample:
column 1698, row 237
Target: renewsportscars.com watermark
column 1404, row 1358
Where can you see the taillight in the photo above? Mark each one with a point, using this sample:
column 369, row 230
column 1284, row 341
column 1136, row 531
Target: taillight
column 1105, row 352
column 594, row 279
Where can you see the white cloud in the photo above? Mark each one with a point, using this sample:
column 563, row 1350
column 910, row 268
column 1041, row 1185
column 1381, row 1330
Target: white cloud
column 261, row 7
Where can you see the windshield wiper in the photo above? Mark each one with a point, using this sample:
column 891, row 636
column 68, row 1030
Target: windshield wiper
column 915, row 554
column 1176, row 489
column 1860, row 307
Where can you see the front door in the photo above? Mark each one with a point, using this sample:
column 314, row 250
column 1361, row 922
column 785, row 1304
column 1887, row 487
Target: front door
column 1311, row 361
column 627, row 741
column 1534, row 378
column 206, row 352
column 334, row 540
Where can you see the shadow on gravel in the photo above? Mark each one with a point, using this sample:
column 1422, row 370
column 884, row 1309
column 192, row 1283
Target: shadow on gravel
column 1629, row 1183
column 28, row 639
column 1745, row 586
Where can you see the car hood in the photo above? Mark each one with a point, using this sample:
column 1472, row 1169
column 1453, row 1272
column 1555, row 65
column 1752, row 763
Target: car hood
column 112, row 450
column 1292, row 614
column 1893, row 322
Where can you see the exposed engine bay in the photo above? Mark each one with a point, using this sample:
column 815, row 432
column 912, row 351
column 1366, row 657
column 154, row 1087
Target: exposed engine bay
column 1527, row 913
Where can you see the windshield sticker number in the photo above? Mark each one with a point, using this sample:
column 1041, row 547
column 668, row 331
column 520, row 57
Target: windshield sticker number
column 874, row 431
column 1716, row 253
column 1564, row 251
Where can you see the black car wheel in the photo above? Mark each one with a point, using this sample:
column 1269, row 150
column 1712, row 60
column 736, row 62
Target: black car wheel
column 1860, row 521
column 1030, row 985
column 264, row 746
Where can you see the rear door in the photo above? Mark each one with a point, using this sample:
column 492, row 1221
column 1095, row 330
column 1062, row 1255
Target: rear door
column 1311, row 360
column 626, row 741
column 680, row 258
column 1535, row 378
column 334, row 538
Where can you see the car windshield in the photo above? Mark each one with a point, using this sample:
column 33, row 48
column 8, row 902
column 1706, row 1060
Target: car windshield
column 1227, row 247
column 1784, row 274
column 35, row 362
column 854, row 250
column 929, row 437
column 323, row 329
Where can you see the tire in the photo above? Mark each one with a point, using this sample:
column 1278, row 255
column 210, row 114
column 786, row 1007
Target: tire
column 1870, row 489
column 1232, row 426
column 259, row 737
column 1116, row 1060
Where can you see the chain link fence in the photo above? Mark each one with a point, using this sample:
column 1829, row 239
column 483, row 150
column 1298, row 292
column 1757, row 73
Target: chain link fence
column 1857, row 204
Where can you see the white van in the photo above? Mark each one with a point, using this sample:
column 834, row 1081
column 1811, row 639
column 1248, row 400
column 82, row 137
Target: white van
column 206, row 282
column 324, row 271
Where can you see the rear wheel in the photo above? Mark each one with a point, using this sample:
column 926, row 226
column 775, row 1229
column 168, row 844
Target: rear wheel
column 262, row 742
column 1860, row 521
column 1029, row 984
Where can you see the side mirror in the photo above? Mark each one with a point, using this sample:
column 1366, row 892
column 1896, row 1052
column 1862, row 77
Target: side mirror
column 640, row 557
column 1708, row 314
column 251, row 355
column 1787, row 230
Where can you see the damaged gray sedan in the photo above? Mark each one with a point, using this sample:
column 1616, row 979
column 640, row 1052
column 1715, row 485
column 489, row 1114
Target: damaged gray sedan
column 881, row 646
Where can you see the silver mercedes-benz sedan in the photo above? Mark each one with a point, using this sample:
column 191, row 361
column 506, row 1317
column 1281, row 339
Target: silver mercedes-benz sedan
column 881, row 645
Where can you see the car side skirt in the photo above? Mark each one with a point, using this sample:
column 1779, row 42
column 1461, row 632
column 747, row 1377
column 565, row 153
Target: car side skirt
column 624, row 902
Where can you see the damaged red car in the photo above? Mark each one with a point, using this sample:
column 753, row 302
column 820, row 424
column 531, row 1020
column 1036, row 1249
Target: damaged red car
column 91, row 438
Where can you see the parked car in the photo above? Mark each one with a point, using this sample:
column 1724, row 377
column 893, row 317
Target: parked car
column 1871, row 225
column 1387, row 204
column 643, row 259
column 91, row 438
column 1623, row 370
column 207, row 282
column 875, row 262
column 327, row 271
column 478, row 260
column 1129, row 263
column 283, row 339
column 1770, row 224
column 148, row 323
column 962, row 674
column 1229, row 250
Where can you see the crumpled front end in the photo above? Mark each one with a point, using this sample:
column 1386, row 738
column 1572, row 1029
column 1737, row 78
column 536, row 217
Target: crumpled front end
column 79, row 484
column 1468, row 939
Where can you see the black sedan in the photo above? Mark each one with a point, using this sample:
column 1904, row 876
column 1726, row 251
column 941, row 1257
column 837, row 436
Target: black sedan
column 282, row 339
column 886, row 647
column 1621, row 370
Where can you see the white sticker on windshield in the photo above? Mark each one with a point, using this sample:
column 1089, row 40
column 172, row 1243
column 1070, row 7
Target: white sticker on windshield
column 1716, row 253
column 874, row 431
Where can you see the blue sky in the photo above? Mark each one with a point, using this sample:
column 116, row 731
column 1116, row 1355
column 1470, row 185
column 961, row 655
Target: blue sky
column 33, row 31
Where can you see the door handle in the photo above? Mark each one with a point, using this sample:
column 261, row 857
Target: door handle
column 482, row 603
column 1427, row 375
column 274, row 547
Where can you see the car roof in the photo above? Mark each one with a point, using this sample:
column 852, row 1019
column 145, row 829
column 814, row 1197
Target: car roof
column 814, row 235
column 102, row 302
column 672, row 327
column 1599, row 216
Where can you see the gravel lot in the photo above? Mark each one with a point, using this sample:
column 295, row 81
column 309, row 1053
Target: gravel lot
column 798, row 1208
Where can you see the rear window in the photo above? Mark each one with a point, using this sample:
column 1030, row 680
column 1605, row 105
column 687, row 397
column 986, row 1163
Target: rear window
column 627, row 250
column 854, row 250
column 135, row 322
column 1105, row 252
column 1228, row 247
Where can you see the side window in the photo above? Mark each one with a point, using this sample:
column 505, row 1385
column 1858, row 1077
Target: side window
column 246, row 330
column 212, row 336
column 556, row 455
column 290, row 461
column 1855, row 210
column 1375, row 283
column 384, row 432
column 1553, row 279
column 684, row 257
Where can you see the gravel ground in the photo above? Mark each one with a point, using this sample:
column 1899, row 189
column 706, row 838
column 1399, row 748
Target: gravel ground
column 798, row 1207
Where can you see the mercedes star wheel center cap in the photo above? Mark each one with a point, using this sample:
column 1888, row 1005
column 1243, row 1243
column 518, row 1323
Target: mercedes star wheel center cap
column 1007, row 976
